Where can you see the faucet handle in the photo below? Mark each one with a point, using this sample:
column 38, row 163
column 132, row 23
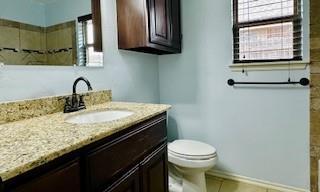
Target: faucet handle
column 81, row 101
column 67, row 105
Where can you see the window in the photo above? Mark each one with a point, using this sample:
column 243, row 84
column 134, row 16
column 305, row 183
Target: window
column 267, row 30
column 86, row 54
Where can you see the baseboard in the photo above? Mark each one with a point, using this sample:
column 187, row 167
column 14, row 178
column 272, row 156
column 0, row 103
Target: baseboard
column 256, row 182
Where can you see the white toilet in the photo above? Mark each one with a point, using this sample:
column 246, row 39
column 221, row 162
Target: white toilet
column 189, row 160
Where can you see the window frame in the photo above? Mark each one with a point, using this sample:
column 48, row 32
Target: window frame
column 296, row 19
column 85, row 19
column 85, row 50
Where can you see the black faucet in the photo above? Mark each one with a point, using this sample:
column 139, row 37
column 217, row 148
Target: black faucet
column 76, row 102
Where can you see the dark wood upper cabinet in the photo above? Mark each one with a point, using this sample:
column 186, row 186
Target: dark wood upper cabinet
column 96, row 20
column 176, row 25
column 151, row 26
column 160, row 24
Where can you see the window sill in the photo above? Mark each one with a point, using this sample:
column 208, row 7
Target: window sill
column 269, row 66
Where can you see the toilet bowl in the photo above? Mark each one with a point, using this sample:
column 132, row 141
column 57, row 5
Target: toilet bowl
column 189, row 160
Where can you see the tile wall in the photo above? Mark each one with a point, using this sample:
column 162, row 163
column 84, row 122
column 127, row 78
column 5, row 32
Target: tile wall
column 315, row 91
column 26, row 44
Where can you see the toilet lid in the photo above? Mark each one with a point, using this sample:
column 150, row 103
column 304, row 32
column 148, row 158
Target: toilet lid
column 189, row 148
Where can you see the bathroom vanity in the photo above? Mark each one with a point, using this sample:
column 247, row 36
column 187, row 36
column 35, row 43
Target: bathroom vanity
column 124, row 155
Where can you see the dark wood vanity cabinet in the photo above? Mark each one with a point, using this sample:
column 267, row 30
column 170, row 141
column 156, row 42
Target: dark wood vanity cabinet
column 63, row 178
column 150, row 176
column 154, row 171
column 132, row 160
column 151, row 26
column 128, row 183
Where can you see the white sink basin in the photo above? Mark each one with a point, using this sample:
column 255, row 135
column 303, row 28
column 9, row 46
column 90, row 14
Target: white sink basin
column 98, row 117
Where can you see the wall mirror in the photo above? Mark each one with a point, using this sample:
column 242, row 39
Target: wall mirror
column 51, row 32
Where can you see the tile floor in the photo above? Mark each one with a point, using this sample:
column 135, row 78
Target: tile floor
column 215, row 184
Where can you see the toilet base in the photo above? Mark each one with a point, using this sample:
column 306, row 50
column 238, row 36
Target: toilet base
column 186, row 180
column 188, row 162
column 189, row 183
column 194, row 183
column 174, row 185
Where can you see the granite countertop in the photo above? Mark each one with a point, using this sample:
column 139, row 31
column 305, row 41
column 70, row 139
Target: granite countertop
column 27, row 144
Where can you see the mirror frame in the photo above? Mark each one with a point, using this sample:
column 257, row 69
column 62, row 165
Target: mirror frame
column 96, row 20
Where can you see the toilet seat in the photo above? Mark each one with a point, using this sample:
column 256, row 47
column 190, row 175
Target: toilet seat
column 190, row 163
column 191, row 154
column 192, row 157
column 192, row 149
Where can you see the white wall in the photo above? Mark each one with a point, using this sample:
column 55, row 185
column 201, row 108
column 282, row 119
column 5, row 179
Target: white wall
column 259, row 132
column 131, row 76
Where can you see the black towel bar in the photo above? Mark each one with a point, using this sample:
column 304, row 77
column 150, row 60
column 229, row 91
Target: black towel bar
column 303, row 82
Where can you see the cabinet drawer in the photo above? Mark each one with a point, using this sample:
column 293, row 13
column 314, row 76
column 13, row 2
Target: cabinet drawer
column 63, row 179
column 107, row 162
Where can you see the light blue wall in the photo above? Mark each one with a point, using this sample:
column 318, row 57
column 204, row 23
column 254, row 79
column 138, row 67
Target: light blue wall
column 60, row 11
column 18, row 10
column 261, row 133
column 131, row 76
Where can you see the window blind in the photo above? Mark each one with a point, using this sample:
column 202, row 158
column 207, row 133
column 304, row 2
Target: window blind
column 82, row 39
column 82, row 58
column 87, row 56
column 267, row 30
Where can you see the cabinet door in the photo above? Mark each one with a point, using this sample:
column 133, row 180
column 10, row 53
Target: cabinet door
column 62, row 179
column 155, row 171
column 128, row 183
column 176, row 24
column 160, row 22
